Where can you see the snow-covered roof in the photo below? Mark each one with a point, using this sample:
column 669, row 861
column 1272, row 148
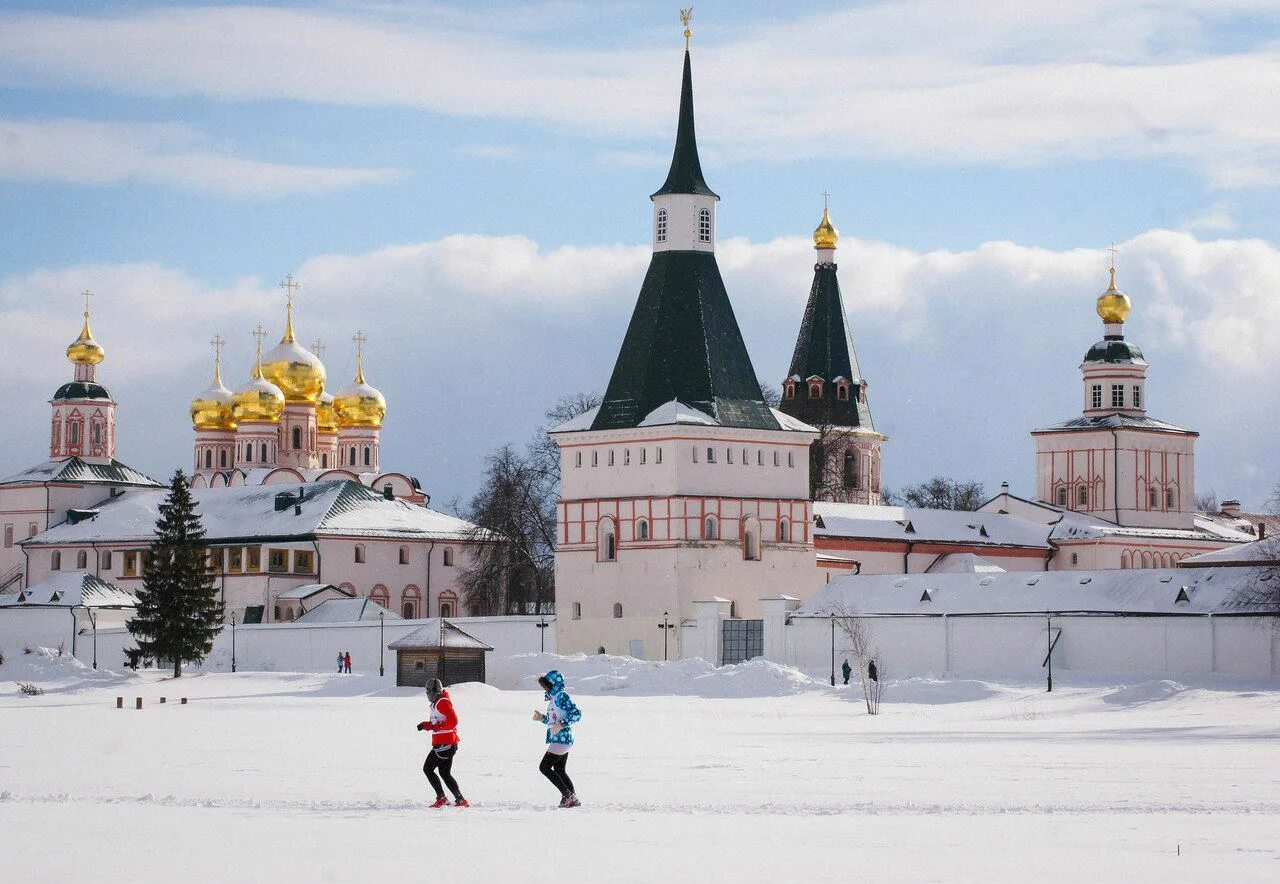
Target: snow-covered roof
column 1149, row 591
column 71, row 589
column 579, row 423
column 81, row 472
column 676, row 412
column 910, row 524
column 787, row 422
column 307, row 590
column 1115, row 422
column 963, row 563
column 336, row 507
column 1082, row 526
column 347, row 611
column 428, row 638
column 1258, row 552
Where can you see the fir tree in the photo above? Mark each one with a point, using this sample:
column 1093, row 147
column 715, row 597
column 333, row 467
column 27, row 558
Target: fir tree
column 178, row 612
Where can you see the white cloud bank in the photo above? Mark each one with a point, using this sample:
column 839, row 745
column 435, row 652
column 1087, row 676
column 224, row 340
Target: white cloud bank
column 940, row 81
column 85, row 152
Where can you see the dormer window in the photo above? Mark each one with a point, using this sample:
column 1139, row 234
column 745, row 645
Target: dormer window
column 660, row 233
column 815, row 388
column 842, row 391
column 789, row 390
column 704, row 225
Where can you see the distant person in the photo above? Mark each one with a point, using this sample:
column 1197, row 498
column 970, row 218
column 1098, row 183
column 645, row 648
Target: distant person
column 871, row 671
column 346, row 662
column 560, row 717
column 847, row 670
column 443, row 724
column 340, row 661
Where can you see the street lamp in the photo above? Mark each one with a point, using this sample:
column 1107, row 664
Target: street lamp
column 833, row 648
column 1048, row 639
column 233, row 641
column 382, row 645
column 665, row 625
column 93, row 621
column 542, row 625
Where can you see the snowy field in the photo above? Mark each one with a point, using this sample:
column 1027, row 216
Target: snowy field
column 748, row 774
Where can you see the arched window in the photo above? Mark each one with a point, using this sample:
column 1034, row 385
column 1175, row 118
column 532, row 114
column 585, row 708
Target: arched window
column 208, row 458
column 409, row 602
column 704, row 225
column 288, row 614
column 711, row 455
column 577, row 611
column 404, row 555
column 297, row 438
column 661, row 232
column 264, row 452
column 851, row 469
column 55, row 561
column 607, row 541
column 1082, row 495
column 751, row 540
column 324, row 460
column 815, row 389
column 359, row 554
column 617, row 610
column 366, row 455
column 448, row 557
column 1146, row 560
column 222, row 458
column 448, row 604
column 1152, row 500
column 600, row 650
column 642, row 530
column 1062, row 495
column 842, row 391
column 789, row 390
column 783, row 530
column 380, row 595
column 1169, row 498
column 82, row 560
column 446, row 609
column 352, row 462
column 1124, row 561
column 709, row 531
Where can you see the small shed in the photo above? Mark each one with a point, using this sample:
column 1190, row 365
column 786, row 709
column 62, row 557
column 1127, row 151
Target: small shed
column 442, row 650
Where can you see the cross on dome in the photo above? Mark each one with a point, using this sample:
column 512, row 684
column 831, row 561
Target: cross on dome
column 86, row 294
column 318, row 347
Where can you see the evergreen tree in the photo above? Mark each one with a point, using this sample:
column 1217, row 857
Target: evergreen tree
column 178, row 612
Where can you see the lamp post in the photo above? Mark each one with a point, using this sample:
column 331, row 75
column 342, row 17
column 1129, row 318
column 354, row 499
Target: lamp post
column 833, row 648
column 382, row 645
column 542, row 625
column 666, row 625
column 233, row 641
column 1048, row 640
column 93, row 621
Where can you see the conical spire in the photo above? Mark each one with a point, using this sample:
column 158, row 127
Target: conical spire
column 685, row 175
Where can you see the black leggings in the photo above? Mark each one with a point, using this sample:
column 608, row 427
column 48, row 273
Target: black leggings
column 553, row 768
column 441, row 759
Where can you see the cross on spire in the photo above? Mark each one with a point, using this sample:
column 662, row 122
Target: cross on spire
column 361, row 339
column 1113, row 251
column 290, row 286
column 318, row 348
column 685, row 15
column 86, row 294
column 217, row 343
column 826, row 199
column 259, row 333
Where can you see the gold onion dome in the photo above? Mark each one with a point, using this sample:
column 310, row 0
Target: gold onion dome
column 361, row 404
column 84, row 350
column 326, row 415
column 293, row 368
column 212, row 409
column 258, row 400
column 826, row 235
column 1113, row 304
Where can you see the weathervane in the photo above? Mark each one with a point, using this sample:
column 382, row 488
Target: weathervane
column 685, row 15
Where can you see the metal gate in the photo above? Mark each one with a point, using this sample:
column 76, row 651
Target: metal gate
column 741, row 640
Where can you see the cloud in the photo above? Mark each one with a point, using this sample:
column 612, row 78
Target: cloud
column 87, row 152
column 935, row 81
column 472, row 336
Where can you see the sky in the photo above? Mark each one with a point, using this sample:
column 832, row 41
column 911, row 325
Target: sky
column 467, row 184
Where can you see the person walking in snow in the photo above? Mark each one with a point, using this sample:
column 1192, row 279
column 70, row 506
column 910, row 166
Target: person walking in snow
column 872, row 674
column 443, row 724
column 846, row 669
column 340, row 661
column 561, row 715
column 346, row 662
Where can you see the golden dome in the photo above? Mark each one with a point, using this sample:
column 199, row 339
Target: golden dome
column 211, row 410
column 84, row 350
column 293, row 368
column 1113, row 304
column 258, row 400
column 326, row 415
column 826, row 235
column 360, row 405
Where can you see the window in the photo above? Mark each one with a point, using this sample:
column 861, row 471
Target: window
column 1062, row 495
column 213, row 559
column 359, row 554
column 1117, row 395
column 791, row 458
column 711, row 455
column 55, row 561
column 222, row 459
column 1075, row 558
column 106, row 560
column 695, row 454
column 728, row 455
column 130, row 564
column 8, row 536
column 642, row 530
column 709, row 529
column 657, row 455
column 577, row 611
column 850, row 469
column 704, row 225
column 607, row 540
column 82, row 560
column 380, row 595
column 303, row 561
column 278, row 561
column 75, row 434
column 610, row 457
column 595, row 458
column 97, row 433
column 842, row 391
column 600, row 650
column 775, row 458
column 275, row 612
column 1095, row 394
column 446, row 609
column 815, row 389
column 1152, row 500
column 404, row 555
column 661, row 232
column 751, row 540
column 208, row 459
column 782, row 531
column 253, row 559
column 352, row 461
column 1168, row 498
column 1137, row 396
column 744, row 457
column 626, row 457
column 33, row 529
column 235, row 560
column 367, row 451
column 1124, row 561
column 577, row 460
column 297, row 438
column 789, row 390
column 448, row 557
column 407, row 611
column 759, row 457
column 643, row 456
column 617, row 610
column 1082, row 495
column 264, row 452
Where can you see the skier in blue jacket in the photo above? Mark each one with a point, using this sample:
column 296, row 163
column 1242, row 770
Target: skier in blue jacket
column 561, row 715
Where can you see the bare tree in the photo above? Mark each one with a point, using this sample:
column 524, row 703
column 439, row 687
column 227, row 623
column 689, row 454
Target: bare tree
column 770, row 394
column 1207, row 501
column 1263, row 592
column 942, row 493
column 860, row 645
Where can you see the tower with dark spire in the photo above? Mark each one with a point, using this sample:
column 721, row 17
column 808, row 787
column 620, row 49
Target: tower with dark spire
column 826, row 389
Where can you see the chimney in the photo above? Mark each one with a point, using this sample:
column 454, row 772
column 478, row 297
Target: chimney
column 1230, row 507
column 1262, row 530
column 1004, row 487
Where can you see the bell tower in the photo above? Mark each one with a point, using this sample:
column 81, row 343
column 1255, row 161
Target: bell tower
column 84, row 414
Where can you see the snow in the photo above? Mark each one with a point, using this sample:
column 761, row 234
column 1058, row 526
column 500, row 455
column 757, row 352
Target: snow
column 605, row 674
column 963, row 563
column 787, row 422
column 289, row 777
column 71, row 589
column 429, row 636
column 1259, row 552
column 928, row 525
column 579, row 423
column 676, row 412
column 346, row 611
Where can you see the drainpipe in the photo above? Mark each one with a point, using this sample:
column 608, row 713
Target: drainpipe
column 72, row 611
column 426, row 593
column 1115, row 472
column 906, row 557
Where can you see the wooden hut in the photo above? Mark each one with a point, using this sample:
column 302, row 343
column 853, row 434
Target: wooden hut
column 440, row 650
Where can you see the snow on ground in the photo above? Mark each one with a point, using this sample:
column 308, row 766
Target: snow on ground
column 748, row 774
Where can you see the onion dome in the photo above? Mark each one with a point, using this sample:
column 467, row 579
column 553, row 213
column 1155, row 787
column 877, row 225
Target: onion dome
column 84, row 350
column 258, row 400
column 212, row 409
column 826, row 235
column 326, row 414
column 361, row 404
column 1113, row 304
column 294, row 369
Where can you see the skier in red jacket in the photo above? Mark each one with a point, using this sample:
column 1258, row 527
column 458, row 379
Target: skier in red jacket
column 443, row 724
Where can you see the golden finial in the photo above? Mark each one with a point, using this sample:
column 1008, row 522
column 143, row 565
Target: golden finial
column 361, row 339
column 825, row 236
column 1113, row 305
column 258, row 333
column 289, row 286
column 685, row 15
column 84, row 350
column 217, row 343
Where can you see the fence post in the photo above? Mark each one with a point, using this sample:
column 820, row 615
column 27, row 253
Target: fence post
column 776, row 610
column 712, row 613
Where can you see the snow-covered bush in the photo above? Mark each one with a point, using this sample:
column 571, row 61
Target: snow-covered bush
column 31, row 690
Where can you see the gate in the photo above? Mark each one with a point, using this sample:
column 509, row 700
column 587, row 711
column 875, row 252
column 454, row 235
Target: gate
column 741, row 640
